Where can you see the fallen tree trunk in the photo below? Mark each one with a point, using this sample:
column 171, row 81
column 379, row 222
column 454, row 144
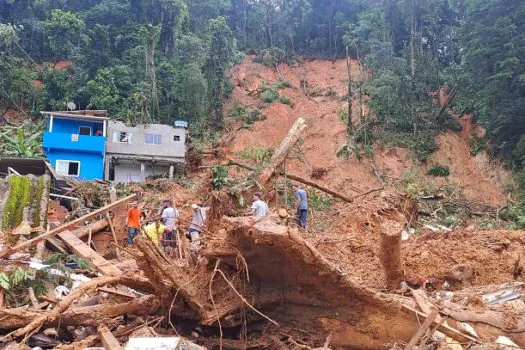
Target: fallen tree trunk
column 282, row 151
column 317, row 186
column 64, row 304
column 82, row 316
column 10, row 250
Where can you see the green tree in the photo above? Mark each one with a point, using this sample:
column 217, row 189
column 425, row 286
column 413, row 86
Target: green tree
column 222, row 51
column 65, row 33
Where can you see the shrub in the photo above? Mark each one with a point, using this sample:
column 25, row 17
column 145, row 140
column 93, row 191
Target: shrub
column 283, row 83
column 269, row 95
column 219, row 177
column 477, row 143
column 246, row 114
column 439, row 170
column 285, row 100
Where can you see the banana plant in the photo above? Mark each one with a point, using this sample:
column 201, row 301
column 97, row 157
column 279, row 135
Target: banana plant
column 19, row 144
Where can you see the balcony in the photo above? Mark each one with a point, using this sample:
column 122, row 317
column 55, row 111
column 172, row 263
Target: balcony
column 74, row 142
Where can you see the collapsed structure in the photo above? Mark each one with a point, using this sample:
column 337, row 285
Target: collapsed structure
column 258, row 283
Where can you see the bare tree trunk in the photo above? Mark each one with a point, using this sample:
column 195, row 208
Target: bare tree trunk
column 349, row 127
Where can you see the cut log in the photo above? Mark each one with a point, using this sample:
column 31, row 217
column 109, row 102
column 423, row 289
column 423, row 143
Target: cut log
column 390, row 252
column 10, row 250
column 84, row 251
column 282, row 151
column 422, row 330
column 107, row 339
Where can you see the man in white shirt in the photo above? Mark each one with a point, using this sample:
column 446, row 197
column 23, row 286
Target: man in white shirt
column 169, row 217
column 259, row 207
column 197, row 223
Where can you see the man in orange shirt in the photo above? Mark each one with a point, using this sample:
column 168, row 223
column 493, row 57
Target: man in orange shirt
column 133, row 222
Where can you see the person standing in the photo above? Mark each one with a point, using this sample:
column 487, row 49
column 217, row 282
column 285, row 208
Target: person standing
column 133, row 222
column 259, row 207
column 199, row 219
column 301, row 206
column 169, row 217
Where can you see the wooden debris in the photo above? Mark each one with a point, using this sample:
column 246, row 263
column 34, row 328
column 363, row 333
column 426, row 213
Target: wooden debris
column 108, row 340
column 431, row 318
column 294, row 134
column 319, row 187
column 117, row 292
column 84, row 251
column 10, row 250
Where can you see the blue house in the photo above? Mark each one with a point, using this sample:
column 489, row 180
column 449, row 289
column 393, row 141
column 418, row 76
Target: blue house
column 74, row 143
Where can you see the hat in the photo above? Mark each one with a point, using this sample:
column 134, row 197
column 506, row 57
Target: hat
column 195, row 206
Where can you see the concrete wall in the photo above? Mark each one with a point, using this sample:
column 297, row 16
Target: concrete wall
column 137, row 145
column 131, row 172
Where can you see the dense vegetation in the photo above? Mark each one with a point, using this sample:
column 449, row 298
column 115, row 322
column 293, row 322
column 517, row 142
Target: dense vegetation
column 166, row 59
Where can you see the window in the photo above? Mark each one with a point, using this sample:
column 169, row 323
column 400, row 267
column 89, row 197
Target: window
column 122, row 137
column 153, row 139
column 68, row 167
column 84, row 130
column 176, row 138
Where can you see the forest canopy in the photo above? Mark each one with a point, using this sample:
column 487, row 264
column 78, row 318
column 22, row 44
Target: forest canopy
column 162, row 60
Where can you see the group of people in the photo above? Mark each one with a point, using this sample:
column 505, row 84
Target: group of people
column 162, row 231
column 260, row 207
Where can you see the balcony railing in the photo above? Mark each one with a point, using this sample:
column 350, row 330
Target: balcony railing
column 74, row 142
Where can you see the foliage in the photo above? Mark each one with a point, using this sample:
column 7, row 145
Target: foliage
column 478, row 143
column 269, row 95
column 23, row 141
column 421, row 145
column 318, row 201
column 246, row 114
column 258, row 154
column 416, row 184
column 439, row 170
column 283, row 83
column 15, row 286
column 219, row 176
column 515, row 216
column 285, row 100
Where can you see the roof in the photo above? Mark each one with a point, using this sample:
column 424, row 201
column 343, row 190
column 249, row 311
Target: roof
column 76, row 116
column 23, row 166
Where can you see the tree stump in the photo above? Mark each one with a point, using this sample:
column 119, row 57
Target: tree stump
column 390, row 252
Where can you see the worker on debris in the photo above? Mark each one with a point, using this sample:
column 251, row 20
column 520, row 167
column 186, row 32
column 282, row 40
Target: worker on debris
column 169, row 217
column 199, row 219
column 259, row 207
column 133, row 222
column 154, row 231
column 301, row 206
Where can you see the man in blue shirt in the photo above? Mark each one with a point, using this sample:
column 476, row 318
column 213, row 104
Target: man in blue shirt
column 301, row 205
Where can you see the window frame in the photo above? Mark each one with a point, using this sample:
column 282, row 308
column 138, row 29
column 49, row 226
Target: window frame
column 178, row 138
column 119, row 133
column 68, row 162
column 154, row 138
column 85, row 126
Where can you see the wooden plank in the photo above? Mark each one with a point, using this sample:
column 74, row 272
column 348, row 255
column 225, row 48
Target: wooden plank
column 84, row 251
column 107, row 339
column 108, row 218
column 422, row 329
column 443, row 328
column 80, row 221
column 423, row 302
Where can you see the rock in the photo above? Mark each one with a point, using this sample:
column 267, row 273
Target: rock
column 461, row 272
column 283, row 213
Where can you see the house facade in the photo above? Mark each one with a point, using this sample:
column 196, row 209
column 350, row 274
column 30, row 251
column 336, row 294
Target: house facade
column 74, row 143
column 134, row 153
